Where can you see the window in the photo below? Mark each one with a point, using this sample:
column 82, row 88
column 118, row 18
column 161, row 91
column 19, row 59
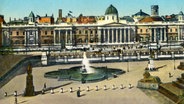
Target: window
column 17, row 33
column 23, row 33
column 140, row 30
column 170, row 30
column 45, row 32
column 176, row 30
column 52, row 32
column 112, row 17
column 86, row 31
column 79, row 31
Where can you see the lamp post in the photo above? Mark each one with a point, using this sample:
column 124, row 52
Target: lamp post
column 15, row 95
column 128, row 64
column 174, row 62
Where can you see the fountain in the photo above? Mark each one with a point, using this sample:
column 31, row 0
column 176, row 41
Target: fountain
column 86, row 66
column 84, row 73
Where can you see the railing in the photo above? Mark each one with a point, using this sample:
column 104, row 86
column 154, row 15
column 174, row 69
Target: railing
column 23, row 63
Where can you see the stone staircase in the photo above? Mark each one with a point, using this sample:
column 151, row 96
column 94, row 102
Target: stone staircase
column 174, row 90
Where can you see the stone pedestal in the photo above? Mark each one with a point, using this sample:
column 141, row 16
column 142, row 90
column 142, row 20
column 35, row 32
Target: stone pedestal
column 181, row 66
column 149, row 82
column 29, row 91
column 103, row 57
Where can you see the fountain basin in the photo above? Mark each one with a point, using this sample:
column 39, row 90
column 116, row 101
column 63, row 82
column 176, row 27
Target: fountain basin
column 75, row 74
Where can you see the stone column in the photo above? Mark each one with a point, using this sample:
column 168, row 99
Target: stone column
column 124, row 35
column 108, row 33
column 66, row 37
column 59, row 36
column 129, row 35
column 161, row 34
column 25, row 37
column 117, row 36
column 104, row 36
column 121, row 35
column 165, row 34
column 71, row 40
column 150, row 38
column 99, row 36
column 178, row 30
column 112, row 35
column 155, row 34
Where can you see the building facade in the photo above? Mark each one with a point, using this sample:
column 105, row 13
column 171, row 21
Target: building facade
column 107, row 31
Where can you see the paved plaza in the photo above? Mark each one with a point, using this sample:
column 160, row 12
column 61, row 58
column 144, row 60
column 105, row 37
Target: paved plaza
column 109, row 96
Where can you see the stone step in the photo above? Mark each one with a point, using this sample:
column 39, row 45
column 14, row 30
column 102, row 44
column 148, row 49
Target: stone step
column 182, row 75
column 168, row 92
column 178, row 84
column 181, row 80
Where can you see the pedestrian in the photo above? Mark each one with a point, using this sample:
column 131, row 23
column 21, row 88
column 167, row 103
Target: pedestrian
column 44, row 86
column 61, row 90
column 170, row 75
column 78, row 93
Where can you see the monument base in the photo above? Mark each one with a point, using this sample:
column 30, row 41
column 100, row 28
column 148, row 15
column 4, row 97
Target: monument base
column 181, row 66
column 148, row 85
column 29, row 91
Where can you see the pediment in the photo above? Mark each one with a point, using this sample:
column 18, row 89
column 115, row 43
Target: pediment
column 114, row 24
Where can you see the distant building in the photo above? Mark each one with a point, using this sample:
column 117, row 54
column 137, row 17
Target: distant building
column 127, row 19
column 111, row 14
column 140, row 15
column 2, row 21
column 31, row 18
column 86, row 19
column 154, row 10
column 181, row 17
column 45, row 19
column 60, row 16
column 108, row 29
column 1, row 35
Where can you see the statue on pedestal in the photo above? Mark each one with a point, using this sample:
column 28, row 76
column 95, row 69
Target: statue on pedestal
column 29, row 91
column 149, row 82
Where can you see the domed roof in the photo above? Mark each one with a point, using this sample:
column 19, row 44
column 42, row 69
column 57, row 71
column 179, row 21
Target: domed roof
column 141, row 13
column 181, row 13
column 111, row 10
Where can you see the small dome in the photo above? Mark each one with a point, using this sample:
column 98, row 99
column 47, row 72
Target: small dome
column 141, row 13
column 111, row 10
column 181, row 13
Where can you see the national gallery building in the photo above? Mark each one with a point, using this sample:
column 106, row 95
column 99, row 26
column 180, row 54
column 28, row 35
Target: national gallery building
column 110, row 29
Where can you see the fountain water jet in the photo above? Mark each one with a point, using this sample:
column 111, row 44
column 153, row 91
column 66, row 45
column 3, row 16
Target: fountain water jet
column 86, row 65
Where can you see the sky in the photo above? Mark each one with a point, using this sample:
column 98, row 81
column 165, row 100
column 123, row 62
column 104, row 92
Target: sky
column 22, row 8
